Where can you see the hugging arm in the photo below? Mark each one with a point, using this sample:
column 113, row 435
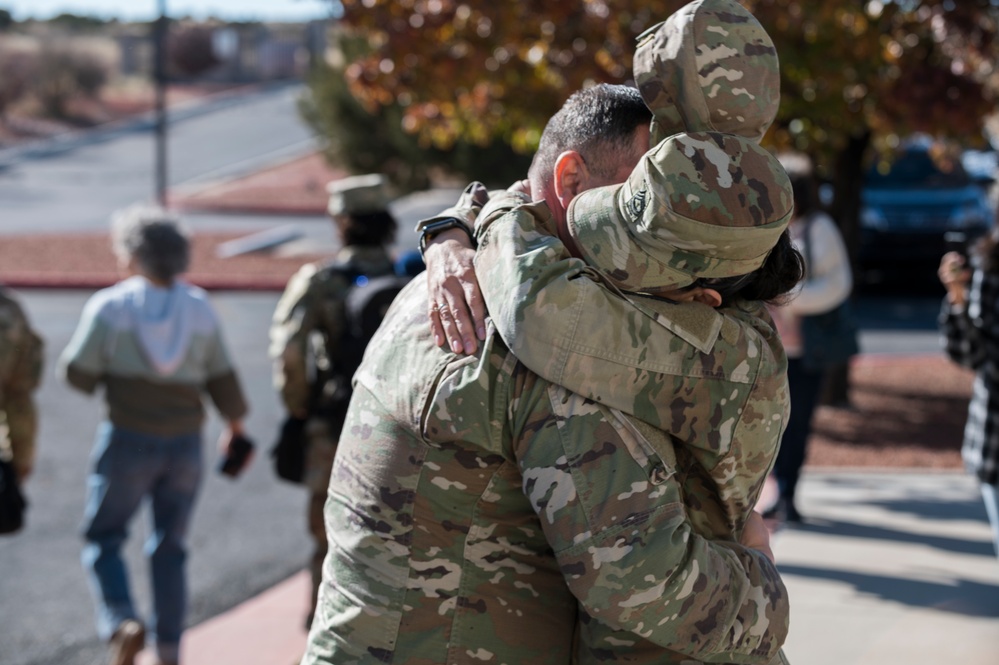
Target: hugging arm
column 607, row 495
column 457, row 311
column 713, row 381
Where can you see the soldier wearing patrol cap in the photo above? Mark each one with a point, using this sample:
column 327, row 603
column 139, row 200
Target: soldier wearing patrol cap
column 702, row 219
column 307, row 335
column 662, row 319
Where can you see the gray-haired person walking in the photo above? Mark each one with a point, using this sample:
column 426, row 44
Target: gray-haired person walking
column 155, row 344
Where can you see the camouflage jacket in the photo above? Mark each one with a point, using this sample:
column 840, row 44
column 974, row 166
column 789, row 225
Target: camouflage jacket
column 309, row 320
column 473, row 504
column 20, row 374
column 714, row 380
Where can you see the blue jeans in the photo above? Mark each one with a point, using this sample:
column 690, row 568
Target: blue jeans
column 128, row 467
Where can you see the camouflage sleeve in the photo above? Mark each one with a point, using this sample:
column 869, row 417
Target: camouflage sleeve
column 471, row 200
column 502, row 203
column 21, row 360
column 713, row 382
column 295, row 317
column 537, row 296
column 605, row 487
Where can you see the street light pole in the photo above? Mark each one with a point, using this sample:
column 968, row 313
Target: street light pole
column 159, row 72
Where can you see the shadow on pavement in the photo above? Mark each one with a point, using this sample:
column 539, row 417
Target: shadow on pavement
column 966, row 598
column 941, row 509
column 838, row 529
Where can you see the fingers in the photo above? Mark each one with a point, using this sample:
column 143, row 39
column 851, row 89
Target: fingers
column 456, row 309
column 953, row 269
column 520, row 187
column 435, row 325
column 457, row 324
column 480, row 195
column 476, row 308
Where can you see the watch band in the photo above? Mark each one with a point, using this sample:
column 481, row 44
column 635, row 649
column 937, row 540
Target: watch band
column 434, row 228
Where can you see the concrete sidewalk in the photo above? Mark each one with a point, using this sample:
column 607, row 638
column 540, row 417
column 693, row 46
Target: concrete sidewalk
column 891, row 567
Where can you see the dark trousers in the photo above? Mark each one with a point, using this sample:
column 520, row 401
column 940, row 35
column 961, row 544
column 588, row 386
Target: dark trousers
column 805, row 386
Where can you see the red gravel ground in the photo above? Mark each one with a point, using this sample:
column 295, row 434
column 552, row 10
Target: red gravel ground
column 905, row 412
column 86, row 260
column 297, row 186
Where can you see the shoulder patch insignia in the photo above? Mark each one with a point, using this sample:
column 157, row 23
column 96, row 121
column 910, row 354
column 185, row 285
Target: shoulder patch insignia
column 636, row 205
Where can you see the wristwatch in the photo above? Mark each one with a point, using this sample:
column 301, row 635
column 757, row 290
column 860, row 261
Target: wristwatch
column 441, row 225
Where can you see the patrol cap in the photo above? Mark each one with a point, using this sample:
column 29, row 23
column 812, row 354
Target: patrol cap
column 357, row 195
column 709, row 67
column 697, row 205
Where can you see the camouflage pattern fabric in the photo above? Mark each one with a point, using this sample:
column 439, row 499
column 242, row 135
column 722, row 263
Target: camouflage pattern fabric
column 469, row 497
column 699, row 204
column 712, row 379
column 470, row 203
column 709, row 67
column 716, row 510
column 20, row 374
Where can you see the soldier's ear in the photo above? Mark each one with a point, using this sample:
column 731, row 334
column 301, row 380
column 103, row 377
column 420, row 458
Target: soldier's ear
column 570, row 175
column 706, row 296
column 701, row 294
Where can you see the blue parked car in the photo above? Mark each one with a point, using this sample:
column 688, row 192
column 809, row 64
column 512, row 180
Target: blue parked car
column 913, row 213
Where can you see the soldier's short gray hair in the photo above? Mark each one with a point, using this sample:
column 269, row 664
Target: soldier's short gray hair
column 154, row 238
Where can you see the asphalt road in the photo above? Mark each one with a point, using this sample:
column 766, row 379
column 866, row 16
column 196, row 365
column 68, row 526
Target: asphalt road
column 247, row 534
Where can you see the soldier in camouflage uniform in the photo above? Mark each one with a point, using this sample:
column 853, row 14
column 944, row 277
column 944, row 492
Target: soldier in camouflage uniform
column 20, row 374
column 473, row 504
column 308, row 328
column 715, row 380
column 733, row 91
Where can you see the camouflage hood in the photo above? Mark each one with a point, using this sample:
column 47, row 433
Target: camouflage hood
column 709, row 67
column 697, row 205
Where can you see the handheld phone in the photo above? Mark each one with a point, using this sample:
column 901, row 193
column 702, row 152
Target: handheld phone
column 240, row 449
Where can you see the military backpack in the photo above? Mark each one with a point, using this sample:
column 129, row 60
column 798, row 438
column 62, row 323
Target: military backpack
column 368, row 299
